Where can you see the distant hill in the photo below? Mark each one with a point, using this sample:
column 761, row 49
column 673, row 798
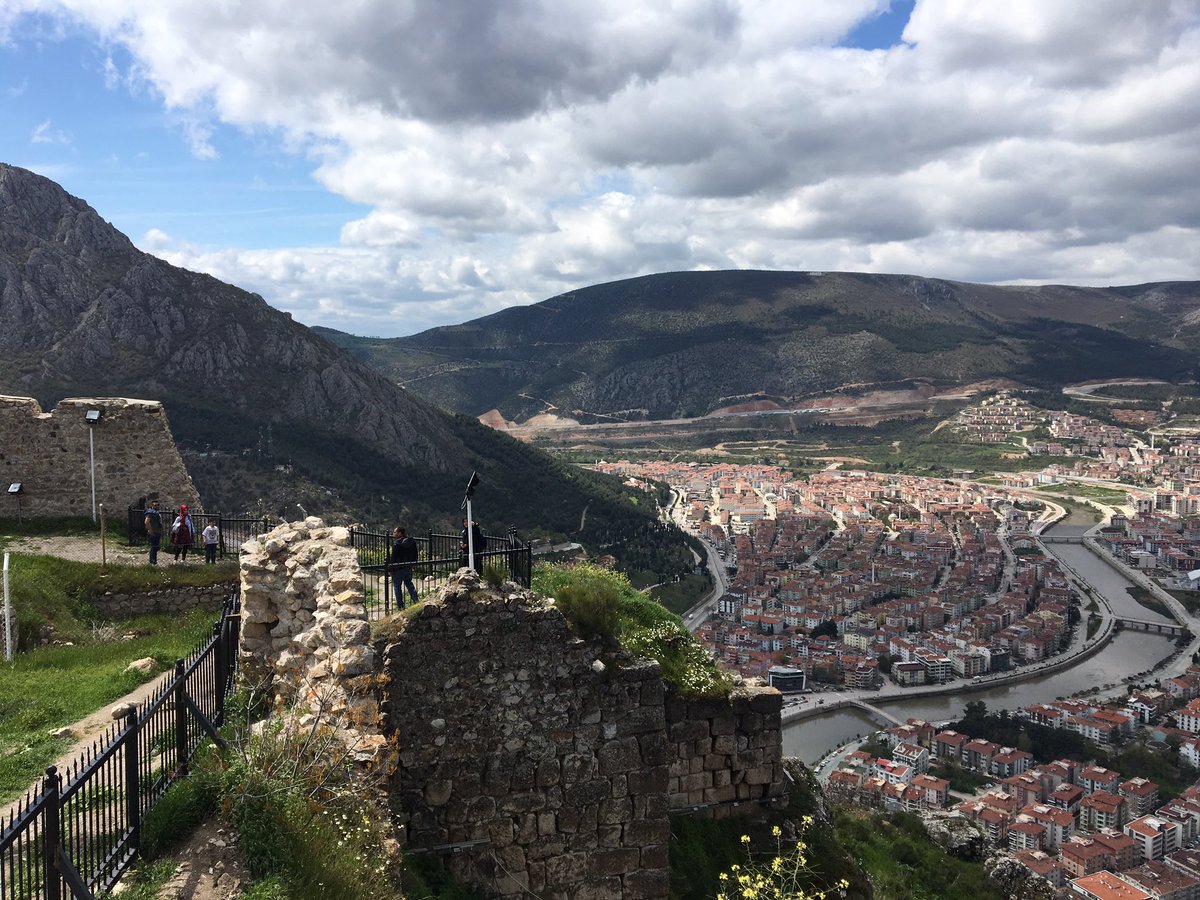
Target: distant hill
column 269, row 414
column 686, row 343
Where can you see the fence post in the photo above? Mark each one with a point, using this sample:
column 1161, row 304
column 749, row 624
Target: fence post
column 219, row 686
column 52, row 880
column 181, row 741
column 133, row 788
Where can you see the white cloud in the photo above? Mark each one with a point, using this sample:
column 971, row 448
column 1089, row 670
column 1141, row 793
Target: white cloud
column 44, row 133
column 510, row 151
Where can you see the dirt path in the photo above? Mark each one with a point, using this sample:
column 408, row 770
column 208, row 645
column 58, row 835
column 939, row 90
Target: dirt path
column 81, row 548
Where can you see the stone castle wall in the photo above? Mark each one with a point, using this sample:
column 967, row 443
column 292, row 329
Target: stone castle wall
column 726, row 752
column 536, row 762
column 119, row 605
column 48, row 453
column 551, row 769
column 517, row 736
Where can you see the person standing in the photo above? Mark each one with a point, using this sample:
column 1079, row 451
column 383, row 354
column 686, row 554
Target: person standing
column 212, row 538
column 404, row 554
column 153, row 523
column 183, row 534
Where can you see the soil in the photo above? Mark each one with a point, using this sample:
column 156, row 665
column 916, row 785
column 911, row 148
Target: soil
column 81, row 548
column 209, row 867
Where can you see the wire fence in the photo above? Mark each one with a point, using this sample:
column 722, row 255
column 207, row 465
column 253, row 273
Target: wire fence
column 77, row 833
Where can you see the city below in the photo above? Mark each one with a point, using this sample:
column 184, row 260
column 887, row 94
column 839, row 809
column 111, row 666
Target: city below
column 851, row 588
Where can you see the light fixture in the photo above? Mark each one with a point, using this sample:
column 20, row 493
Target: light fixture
column 92, row 416
column 16, row 487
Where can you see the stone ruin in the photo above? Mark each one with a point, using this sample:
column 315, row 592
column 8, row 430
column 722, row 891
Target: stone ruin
column 48, row 453
column 537, row 762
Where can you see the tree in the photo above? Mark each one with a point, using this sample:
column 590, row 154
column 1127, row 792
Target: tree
column 885, row 663
column 828, row 628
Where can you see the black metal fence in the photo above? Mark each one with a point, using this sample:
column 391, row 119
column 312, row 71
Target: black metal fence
column 234, row 530
column 77, row 834
column 438, row 557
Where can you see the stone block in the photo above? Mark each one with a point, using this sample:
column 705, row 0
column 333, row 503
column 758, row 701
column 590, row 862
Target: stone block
column 647, row 884
column 609, row 836
column 614, row 812
column 696, row 782
column 724, row 744
column 654, row 748
column 723, row 724
column 648, row 781
column 623, row 755
column 720, row 794
column 688, row 731
column 648, row 831
column 600, row 889
column 614, row 862
column 655, row 856
column 565, row 869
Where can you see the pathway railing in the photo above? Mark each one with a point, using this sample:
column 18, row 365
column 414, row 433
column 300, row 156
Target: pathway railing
column 77, row 833
column 234, row 530
column 439, row 557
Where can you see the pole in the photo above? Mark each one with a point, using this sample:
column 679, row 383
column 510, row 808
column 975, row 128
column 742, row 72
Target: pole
column 470, row 536
column 92, row 458
column 103, row 545
column 8, row 640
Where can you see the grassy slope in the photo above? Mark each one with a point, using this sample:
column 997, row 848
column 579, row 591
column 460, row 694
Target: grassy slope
column 49, row 687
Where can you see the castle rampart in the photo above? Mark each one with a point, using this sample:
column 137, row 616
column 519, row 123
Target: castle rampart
column 48, row 454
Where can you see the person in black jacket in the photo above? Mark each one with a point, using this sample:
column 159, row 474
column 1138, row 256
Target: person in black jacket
column 404, row 554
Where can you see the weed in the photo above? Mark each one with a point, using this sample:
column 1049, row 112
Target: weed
column 493, row 575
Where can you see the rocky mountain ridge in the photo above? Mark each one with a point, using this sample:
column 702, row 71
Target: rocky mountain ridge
column 687, row 343
column 270, row 415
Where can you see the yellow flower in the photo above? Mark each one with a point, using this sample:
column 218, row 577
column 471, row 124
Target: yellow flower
column 745, row 838
column 775, row 831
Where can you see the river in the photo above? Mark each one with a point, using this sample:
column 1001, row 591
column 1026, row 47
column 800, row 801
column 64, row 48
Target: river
column 1105, row 580
column 1128, row 653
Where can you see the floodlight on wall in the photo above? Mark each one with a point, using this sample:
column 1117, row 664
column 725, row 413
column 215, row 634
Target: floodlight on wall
column 92, row 416
column 14, row 490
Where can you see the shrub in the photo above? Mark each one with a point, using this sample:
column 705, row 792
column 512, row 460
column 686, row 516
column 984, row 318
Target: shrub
column 784, row 876
column 493, row 575
column 646, row 628
column 296, row 797
column 591, row 608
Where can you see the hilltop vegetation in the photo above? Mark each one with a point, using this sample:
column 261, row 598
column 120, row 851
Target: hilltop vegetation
column 686, row 343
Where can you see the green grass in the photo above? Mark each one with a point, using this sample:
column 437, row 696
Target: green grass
column 1189, row 599
column 644, row 627
column 48, row 590
column 962, row 780
column 904, row 863
column 680, row 596
column 1148, row 600
column 49, row 687
column 1092, row 492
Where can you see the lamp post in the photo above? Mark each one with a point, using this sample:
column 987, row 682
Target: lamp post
column 472, row 483
column 92, row 416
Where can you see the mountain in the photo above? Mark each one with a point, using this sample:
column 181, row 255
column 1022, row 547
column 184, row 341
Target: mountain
column 269, row 414
column 687, row 343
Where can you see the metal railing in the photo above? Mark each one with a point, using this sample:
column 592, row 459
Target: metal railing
column 234, row 530
column 78, row 833
column 383, row 587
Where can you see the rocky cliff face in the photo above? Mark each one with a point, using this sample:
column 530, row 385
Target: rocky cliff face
column 82, row 311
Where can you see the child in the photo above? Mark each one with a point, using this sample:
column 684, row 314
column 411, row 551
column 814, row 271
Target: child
column 212, row 537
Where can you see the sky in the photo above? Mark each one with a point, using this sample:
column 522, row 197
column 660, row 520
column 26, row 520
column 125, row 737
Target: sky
column 385, row 166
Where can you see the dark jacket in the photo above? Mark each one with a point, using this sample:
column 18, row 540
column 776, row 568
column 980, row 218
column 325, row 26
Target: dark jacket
column 404, row 554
